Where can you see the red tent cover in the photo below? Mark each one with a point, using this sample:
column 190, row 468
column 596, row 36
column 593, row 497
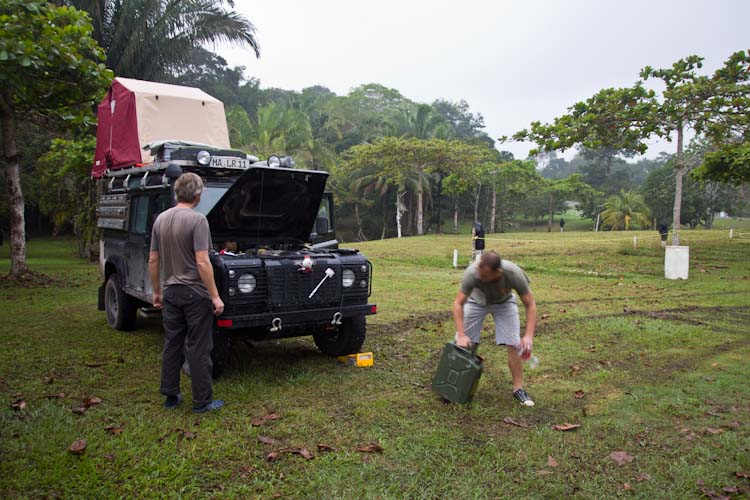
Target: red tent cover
column 135, row 113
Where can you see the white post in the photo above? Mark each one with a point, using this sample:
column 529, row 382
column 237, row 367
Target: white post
column 731, row 234
column 635, row 241
column 596, row 230
column 455, row 258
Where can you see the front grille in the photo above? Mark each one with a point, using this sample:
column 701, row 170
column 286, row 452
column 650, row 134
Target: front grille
column 288, row 288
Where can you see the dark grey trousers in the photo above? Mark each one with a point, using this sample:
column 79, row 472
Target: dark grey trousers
column 188, row 326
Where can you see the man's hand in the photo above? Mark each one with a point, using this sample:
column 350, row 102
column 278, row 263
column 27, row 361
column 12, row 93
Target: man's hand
column 218, row 306
column 158, row 304
column 463, row 340
column 527, row 343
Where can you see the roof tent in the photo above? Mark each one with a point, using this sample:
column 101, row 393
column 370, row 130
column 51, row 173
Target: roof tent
column 135, row 113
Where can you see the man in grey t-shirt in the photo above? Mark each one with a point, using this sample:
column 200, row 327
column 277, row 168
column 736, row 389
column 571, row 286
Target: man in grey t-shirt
column 180, row 241
column 487, row 288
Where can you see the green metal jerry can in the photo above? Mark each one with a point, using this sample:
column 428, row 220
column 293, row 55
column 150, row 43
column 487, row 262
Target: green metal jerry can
column 458, row 374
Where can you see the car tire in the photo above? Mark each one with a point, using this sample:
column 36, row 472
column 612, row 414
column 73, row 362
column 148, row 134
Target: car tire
column 347, row 339
column 120, row 308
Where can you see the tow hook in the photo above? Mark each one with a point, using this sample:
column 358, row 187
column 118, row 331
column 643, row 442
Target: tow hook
column 276, row 325
column 336, row 318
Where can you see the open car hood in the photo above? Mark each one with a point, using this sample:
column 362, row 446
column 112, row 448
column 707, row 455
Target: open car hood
column 272, row 204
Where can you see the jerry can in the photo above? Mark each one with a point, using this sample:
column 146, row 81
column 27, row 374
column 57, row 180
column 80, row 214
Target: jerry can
column 458, row 374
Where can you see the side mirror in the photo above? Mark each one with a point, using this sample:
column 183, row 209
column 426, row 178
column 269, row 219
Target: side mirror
column 321, row 225
column 173, row 172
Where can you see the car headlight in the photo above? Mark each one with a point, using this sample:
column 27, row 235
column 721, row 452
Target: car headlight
column 246, row 283
column 203, row 157
column 347, row 278
column 274, row 161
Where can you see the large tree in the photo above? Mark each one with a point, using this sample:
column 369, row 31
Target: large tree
column 400, row 159
column 49, row 71
column 158, row 39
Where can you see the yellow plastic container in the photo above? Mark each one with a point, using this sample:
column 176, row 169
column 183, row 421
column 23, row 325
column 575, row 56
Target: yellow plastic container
column 359, row 359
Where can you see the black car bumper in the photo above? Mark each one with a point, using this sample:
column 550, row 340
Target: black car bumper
column 294, row 318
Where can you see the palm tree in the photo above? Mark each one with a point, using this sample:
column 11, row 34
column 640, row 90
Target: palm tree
column 155, row 39
column 625, row 208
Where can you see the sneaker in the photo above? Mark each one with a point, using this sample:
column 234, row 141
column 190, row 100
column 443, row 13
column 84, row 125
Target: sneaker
column 173, row 402
column 523, row 397
column 213, row 405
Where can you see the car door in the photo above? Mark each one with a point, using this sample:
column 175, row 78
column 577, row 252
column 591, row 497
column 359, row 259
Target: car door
column 137, row 246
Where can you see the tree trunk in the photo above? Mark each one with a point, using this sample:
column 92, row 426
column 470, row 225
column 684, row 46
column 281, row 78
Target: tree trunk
column 400, row 209
column 360, row 234
column 679, row 172
column 494, row 208
column 549, row 215
column 15, row 195
column 476, row 202
column 420, row 213
column 439, row 201
column 455, row 216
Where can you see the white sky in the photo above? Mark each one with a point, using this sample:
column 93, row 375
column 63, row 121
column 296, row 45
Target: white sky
column 512, row 61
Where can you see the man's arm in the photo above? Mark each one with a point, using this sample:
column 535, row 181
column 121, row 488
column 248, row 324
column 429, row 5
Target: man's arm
column 458, row 316
column 530, row 304
column 206, row 272
column 153, row 271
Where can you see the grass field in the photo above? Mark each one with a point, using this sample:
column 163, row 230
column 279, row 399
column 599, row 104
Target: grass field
column 661, row 369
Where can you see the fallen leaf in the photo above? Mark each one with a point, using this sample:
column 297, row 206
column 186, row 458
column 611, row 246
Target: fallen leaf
column 579, row 394
column 114, row 429
column 188, row 434
column 110, row 457
column 59, row 395
column 627, row 486
column 742, row 475
column 323, row 448
column 732, row 425
column 621, row 457
column 268, row 440
column 91, row 401
column 257, row 422
column 18, row 405
column 551, row 462
column 731, row 489
column 303, row 452
column 543, row 472
column 371, row 448
column 511, row 421
column 565, row 427
column 714, row 365
column 714, row 430
column 643, row 477
column 78, row 410
column 562, row 310
column 575, row 368
column 78, row 447
column 591, row 348
column 626, row 309
column 271, row 416
column 544, row 316
column 273, row 456
column 48, row 380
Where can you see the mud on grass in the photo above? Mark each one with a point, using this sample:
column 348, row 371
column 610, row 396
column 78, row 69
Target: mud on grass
column 661, row 368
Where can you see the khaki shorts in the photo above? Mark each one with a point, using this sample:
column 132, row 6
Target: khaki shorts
column 507, row 322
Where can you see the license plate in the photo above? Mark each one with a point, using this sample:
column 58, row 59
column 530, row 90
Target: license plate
column 229, row 162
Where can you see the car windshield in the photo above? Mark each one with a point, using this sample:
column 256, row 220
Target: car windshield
column 209, row 197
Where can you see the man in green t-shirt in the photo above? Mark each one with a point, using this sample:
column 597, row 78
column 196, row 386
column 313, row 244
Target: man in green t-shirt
column 487, row 288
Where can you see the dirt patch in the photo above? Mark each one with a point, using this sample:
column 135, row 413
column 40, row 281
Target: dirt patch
column 32, row 279
column 411, row 322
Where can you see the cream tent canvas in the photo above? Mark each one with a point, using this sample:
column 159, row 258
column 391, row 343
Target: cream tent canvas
column 135, row 113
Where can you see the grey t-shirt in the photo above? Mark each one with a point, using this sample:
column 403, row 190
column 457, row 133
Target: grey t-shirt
column 177, row 234
column 495, row 292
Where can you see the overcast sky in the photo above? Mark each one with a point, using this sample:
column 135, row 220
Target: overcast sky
column 512, row 61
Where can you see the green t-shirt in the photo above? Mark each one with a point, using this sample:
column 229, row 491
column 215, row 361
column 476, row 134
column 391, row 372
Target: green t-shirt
column 495, row 292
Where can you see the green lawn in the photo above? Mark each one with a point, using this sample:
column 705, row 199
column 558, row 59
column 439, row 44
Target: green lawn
column 663, row 367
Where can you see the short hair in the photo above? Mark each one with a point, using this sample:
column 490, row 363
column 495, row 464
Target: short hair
column 188, row 187
column 490, row 260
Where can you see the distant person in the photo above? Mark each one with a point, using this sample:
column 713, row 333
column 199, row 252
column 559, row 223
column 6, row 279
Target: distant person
column 562, row 224
column 663, row 232
column 487, row 288
column 180, row 242
column 477, row 239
